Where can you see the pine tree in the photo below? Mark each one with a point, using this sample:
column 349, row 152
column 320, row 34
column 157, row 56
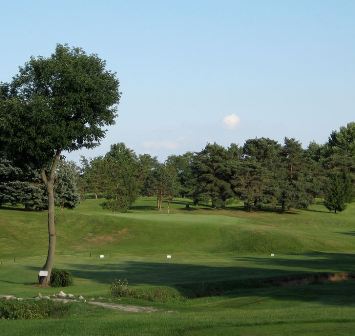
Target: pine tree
column 212, row 169
column 338, row 191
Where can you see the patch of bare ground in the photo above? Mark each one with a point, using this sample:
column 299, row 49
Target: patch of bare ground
column 305, row 279
column 107, row 238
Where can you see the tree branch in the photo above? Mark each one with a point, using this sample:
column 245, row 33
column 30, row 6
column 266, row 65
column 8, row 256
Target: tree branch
column 44, row 176
column 54, row 164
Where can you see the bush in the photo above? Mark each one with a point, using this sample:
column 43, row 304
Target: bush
column 121, row 204
column 14, row 310
column 119, row 288
column 61, row 278
column 158, row 294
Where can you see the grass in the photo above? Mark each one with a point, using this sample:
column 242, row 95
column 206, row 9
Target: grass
column 224, row 247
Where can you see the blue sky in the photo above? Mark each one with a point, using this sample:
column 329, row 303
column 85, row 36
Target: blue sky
column 193, row 72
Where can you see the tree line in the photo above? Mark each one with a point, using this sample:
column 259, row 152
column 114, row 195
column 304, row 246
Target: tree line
column 262, row 173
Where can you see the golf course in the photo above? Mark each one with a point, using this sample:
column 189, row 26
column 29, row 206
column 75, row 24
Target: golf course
column 231, row 272
column 177, row 168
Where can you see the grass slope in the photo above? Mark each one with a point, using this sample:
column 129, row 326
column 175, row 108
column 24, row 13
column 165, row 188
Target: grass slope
column 207, row 246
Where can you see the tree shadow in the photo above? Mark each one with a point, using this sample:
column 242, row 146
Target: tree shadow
column 265, row 277
column 17, row 282
column 350, row 233
column 319, row 211
column 14, row 208
column 143, row 207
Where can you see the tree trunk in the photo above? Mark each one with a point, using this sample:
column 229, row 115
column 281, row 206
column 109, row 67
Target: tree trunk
column 52, row 238
column 283, row 206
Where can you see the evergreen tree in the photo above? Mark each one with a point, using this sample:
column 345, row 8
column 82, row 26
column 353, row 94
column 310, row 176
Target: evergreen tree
column 337, row 191
column 212, row 168
column 21, row 186
column 295, row 179
column 256, row 181
column 66, row 188
column 340, row 152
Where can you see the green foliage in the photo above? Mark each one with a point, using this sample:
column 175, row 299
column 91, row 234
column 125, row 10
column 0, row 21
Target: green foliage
column 116, row 176
column 212, row 168
column 146, row 164
column 185, row 181
column 120, row 171
column 157, row 294
column 64, row 100
column 338, row 191
column 21, row 186
column 249, row 182
column 66, row 187
column 55, row 104
column 340, row 152
column 119, row 288
column 61, row 278
column 24, row 310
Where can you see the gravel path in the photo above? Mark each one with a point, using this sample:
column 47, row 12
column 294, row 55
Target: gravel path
column 126, row 308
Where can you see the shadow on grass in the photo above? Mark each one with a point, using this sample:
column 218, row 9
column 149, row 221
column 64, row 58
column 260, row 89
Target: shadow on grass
column 351, row 233
column 18, row 282
column 319, row 211
column 143, row 207
column 14, row 208
column 265, row 276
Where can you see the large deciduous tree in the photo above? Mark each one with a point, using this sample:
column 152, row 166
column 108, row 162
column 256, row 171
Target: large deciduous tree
column 55, row 104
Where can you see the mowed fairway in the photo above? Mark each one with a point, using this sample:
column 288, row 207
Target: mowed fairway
column 230, row 247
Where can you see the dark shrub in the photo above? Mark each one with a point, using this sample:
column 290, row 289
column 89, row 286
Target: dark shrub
column 119, row 288
column 61, row 278
column 14, row 310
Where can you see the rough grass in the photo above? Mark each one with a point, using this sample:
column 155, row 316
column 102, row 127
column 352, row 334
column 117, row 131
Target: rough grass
column 208, row 248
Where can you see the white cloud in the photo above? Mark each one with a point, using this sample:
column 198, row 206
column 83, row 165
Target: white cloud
column 231, row 121
column 156, row 145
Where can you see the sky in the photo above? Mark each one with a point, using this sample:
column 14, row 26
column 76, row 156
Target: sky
column 194, row 72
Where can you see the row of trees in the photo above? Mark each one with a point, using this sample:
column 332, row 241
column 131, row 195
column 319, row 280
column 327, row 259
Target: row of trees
column 262, row 173
column 121, row 176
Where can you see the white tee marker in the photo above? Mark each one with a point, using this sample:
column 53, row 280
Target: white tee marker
column 168, row 256
column 102, row 256
column 272, row 255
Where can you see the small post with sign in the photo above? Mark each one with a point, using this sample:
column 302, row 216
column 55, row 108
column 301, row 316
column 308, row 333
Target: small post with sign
column 42, row 275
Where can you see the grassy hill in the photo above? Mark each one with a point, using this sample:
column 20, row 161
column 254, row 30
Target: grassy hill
column 229, row 247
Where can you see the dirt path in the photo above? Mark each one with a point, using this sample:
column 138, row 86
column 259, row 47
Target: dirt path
column 126, row 308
